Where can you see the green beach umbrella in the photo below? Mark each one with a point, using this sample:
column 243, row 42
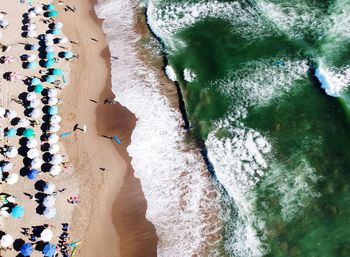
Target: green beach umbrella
column 57, row 71
column 50, row 55
column 50, row 78
column 11, row 132
column 55, row 31
column 38, row 88
column 68, row 54
column 35, row 81
column 52, row 14
column 32, row 65
column 29, row 133
column 49, row 63
column 50, row 7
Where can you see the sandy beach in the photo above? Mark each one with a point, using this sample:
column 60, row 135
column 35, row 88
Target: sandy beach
column 110, row 218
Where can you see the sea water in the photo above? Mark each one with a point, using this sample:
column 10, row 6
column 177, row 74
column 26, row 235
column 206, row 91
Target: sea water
column 265, row 84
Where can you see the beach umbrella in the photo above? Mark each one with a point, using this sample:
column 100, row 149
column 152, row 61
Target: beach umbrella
column 35, row 81
column 55, row 31
column 33, row 153
column 10, row 132
column 57, row 71
column 6, row 166
column 58, row 25
column 49, row 188
column 31, row 33
column 34, row 103
column 49, row 49
column 53, row 110
column 52, row 101
column 33, row 174
column 12, row 179
column 2, row 16
column 52, row 14
column 31, row 14
column 36, row 113
column 31, row 96
column 55, row 170
column 6, row 241
column 8, row 59
column 53, row 139
column 33, row 47
column 49, row 63
column 31, row 65
column 23, row 123
column 31, row 143
column 46, row 235
column 4, row 23
column 29, row 133
column 54, row 149
column 63, row 40
column 50, row 212
column 15, row 75
column 26, row 249
column 52, row 92
column 49, row 42
column 11, row 152
column 38, row 10
column 68, row 54
column 49, row 37
column 2, row 112
column 32, row 26
column 17, row 211
column 11, row 114
column 50, row 79
column 50, row 7
column 38, row 88
column 56, row 159
column 49, row 201
column 55, row 119
column 49, row 250
column 36, row 163
column 50, row 55
column 31, row 57
column 54, row 128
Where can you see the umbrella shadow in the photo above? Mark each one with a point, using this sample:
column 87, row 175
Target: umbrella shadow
column 40, row 245
column 46, row 167
column 24, row 171
column 23, row 151
column 47, row 157
column 40, row 198
column 18, row 243
column 40, row 185
column 28, row 111
column 45, row 147
column 15, row 121
column 44, row 127
column 6, row 76
column 27, row 162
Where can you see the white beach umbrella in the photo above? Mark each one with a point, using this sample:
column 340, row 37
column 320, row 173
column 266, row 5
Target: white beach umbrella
column 31, row 57
column 52, row 101
column 34, row 47
column 31, row 96
column 4, row 23
column 56, row 159
column 2, row 16
column 6, row 241
column 52, row 92
column 33, row 153
column 46, row 235
column 32, row 143
column 58, row 25
column 23, row 123
column 2, row 112
column 49, row 37
column 38, row 10
column 11, row 152
column 63, row 40
column 4, row 211
column 49, row 42
column 53, row 139
column 31, row 26
column 11, row 199
column 36, row 113
column 11, row 114
column 54, row 149
column 55, row 119
column 49, row 49
column 31, row 33
column 35, row 103
column 7, row 166
column 55, row 170
column 49, row 201
column 12, row 179
column 31, row 14
column 49, row 188
column 36, row 163
column 50, row 212
column 54, row 128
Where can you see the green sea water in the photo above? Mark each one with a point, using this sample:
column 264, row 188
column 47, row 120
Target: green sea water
column 278, row 143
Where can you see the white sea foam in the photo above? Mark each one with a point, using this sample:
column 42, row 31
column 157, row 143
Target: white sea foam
column 169, row 71
column 189, row 75
column 181, row 201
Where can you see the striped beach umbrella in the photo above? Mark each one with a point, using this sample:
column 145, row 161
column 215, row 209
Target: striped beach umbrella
column 8, row 59
column 15, row 75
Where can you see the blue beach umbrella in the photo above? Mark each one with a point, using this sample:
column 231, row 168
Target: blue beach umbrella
column 50, row 55
column 32, row 65
column 49, row 63
column 10, row 132
column 57, row 71
column 52, row 14
column 50, row 7
column 17, row 211
column 53, row 110
column 68, row 54
column 50, row 78
column 33, row 174
column 35, row 81
column 55, row 31
column 49, row 250
column 38, row 88
column 29, row 133
column 26, row 249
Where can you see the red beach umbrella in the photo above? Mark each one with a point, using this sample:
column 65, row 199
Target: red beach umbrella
column 15, row 75
column 8, row 59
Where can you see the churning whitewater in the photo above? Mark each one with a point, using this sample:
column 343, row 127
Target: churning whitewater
column 266, row 90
